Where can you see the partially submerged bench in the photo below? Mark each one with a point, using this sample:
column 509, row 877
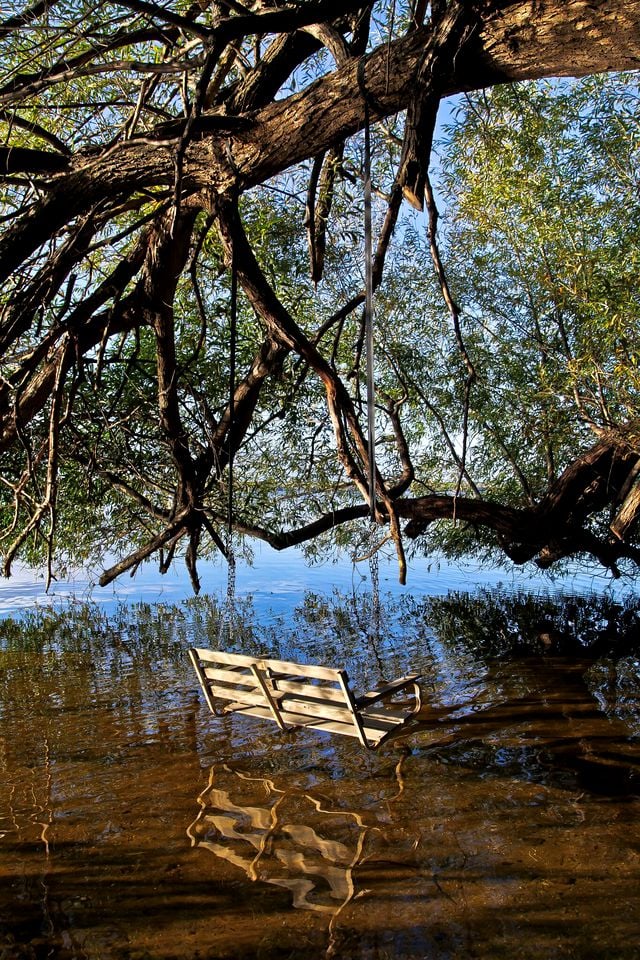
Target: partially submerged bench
column 299, row 695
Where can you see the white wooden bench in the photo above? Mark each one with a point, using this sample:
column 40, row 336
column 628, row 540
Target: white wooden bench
column 299, row 695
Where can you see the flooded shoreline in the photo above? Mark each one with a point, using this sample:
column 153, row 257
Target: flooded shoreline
column 134, row 825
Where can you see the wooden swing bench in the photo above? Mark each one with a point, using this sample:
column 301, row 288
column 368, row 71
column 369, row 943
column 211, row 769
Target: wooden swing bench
column 298, row 695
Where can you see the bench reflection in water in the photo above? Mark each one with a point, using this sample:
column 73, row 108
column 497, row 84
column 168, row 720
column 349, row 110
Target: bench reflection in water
column 292, row 838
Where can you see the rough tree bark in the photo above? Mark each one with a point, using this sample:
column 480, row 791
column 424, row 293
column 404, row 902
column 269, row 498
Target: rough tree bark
column 512, row 41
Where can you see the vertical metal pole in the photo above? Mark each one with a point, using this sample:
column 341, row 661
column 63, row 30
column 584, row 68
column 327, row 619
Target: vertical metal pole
column 374, row 631
column 368, row 314
column 228, row 618
column 233, row 333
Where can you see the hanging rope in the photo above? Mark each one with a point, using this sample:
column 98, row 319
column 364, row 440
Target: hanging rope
column 227, row 621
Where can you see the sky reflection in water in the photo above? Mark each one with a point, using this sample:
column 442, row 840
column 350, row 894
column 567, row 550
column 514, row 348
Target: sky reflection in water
column 276, row 580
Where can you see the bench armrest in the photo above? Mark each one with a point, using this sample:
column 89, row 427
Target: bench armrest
column 381, row 693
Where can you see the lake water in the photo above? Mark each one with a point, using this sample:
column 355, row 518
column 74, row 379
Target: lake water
column 135, row 825
column 277, row 580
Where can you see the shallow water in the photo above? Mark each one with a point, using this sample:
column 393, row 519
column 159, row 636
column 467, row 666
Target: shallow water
column 134, row 825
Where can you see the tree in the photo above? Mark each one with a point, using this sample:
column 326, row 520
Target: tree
column 541, row 245
column 148, row 145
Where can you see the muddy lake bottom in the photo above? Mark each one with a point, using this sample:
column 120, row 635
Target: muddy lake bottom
column 135, row 825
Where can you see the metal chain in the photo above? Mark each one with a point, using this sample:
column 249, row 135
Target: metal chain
column 375, row 622
column 227, row 624
column 374, row 571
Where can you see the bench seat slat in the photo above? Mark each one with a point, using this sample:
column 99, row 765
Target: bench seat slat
column 314, row 707
column 283, row 667
column 316, row 723
column 395, row 712
column 373, row 725
column 294, row 719
column 221, row 656
column 373, row 731
column 286, row 668
column 237, row 695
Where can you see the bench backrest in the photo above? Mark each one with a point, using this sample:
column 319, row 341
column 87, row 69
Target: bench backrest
column 289, row 690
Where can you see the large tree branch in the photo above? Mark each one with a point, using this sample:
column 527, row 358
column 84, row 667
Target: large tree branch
column 555, row 528
column 26, row 16
column 89, row 326
column 217, row 153
column 564, row 38
column 524, row 535
column 159, row 289
column 178, row 528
